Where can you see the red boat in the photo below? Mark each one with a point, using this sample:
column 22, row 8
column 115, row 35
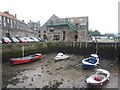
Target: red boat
column 26, row 59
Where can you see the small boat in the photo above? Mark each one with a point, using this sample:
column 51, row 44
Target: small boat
column 99, row 77
column 91, row 62
column 61, row 56
column 25, row 59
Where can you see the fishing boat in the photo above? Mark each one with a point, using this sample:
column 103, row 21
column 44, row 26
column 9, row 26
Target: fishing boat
column 25, row 59
column 99, row 77
column 61, row 56
column 90, row 62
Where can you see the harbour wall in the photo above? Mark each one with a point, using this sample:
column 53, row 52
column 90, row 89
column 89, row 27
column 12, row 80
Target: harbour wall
column 104, row 50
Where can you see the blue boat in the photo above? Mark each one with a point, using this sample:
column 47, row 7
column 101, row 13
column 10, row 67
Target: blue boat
column 90, row 62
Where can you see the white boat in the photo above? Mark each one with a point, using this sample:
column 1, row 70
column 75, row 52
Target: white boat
column 61, row 56
column 99, row 77
column 90, row 62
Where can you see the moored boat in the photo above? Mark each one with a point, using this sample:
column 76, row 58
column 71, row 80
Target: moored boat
column 99, row 77
column 61, row 56
column 90, row 62
column 25, row 59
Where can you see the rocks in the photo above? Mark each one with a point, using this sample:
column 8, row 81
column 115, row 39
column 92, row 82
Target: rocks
column 14, row 81
column 32, row 79
column 24, row 77
column 47, row 71
column 30, row 84
column 54, row 85
column 58, row 68
column 42, row 68
column 50, row 73
column 62, row 79
column 39, row 75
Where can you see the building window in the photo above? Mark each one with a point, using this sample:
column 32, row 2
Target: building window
column 39, row 32
column 82, row 27
column 14, row 24
column 8, row 21
column 40, row 36
column 11, row 23
column 4, row 21
column 51, row 21
column 56, row 37
column 45, row 37
column 17, row 25
column 51, row 30
column 64, row 32
column 44, row 31
column 72, row 20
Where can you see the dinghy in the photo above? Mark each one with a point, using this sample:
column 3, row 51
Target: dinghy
column 91, row 62
column 25, row 59
column 61, row 56
column 99, row 77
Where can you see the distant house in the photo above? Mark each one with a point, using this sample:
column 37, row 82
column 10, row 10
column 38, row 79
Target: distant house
column 34, row 25
column 11, row 26
column 64, row 29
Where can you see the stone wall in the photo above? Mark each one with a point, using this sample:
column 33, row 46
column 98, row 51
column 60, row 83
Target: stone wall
column 104, row 50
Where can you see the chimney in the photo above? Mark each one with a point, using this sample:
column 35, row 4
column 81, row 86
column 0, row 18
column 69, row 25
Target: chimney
column 15, row 15
column 7, row 12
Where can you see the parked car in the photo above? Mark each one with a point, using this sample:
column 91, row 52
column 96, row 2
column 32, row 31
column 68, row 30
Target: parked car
column 35, row 39
column 22, row 40
column 6, row 40
column 28, row 39
column 14, row 40
column 40, row 39
column 0, row 41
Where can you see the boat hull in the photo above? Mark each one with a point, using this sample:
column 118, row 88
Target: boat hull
column 61, row 56
column 85, row 66
column 90, row 62
column 26, row 59
column 98, row 78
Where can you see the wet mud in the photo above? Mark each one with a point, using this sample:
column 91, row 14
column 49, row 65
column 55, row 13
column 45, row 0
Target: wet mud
column 46, row 73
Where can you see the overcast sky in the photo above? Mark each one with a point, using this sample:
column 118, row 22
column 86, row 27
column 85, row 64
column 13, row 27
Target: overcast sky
column 103, row 14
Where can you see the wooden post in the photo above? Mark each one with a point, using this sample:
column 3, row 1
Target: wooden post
column 23, row 50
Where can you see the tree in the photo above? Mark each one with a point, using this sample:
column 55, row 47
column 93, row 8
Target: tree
column 94, row 33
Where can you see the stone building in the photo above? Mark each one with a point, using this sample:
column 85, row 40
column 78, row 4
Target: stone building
column 65, row 29
column 11, row 26
column 34, row 25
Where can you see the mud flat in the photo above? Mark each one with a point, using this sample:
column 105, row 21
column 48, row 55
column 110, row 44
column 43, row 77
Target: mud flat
column 48, row 73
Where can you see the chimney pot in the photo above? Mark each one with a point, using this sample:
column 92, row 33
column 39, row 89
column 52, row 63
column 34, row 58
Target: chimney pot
column 16, row 15
column 7, row 12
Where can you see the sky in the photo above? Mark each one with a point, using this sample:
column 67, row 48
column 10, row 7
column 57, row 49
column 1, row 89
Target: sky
column 103, row 14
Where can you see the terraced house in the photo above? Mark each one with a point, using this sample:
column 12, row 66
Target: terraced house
column 10, row 26
column 65, row 29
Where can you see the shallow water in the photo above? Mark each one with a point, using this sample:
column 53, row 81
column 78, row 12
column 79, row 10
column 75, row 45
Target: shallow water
column 48, row 72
